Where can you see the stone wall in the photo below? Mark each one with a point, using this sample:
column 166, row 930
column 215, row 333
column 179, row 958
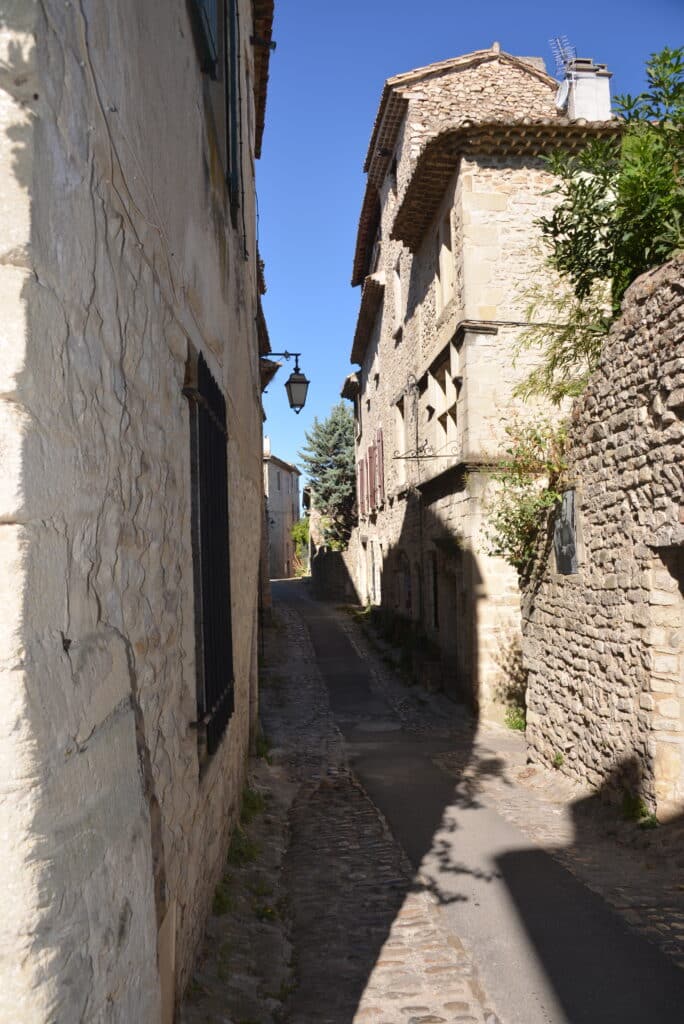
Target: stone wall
column 117, row 255
column 603, row 647
column 489, row 89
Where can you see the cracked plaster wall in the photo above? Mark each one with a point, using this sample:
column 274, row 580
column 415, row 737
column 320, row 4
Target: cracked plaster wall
column 116, row 249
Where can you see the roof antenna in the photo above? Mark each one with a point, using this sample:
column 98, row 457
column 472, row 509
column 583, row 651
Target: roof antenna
column 564, row 53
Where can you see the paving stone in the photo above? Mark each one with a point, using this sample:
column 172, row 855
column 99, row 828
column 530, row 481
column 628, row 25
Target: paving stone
column 354, row 940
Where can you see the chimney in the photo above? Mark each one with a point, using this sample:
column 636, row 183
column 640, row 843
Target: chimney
column 585, row 93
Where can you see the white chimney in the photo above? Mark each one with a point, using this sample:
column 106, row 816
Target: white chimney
column 585, row 93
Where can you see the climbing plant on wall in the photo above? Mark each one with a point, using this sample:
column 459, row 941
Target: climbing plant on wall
column 525, row 489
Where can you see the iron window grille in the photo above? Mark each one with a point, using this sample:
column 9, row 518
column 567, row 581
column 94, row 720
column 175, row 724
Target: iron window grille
column 211, row 557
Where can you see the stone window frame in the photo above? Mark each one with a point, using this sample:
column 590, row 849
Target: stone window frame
column 580, row 550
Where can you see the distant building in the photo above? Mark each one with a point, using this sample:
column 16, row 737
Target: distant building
column 281, row 487
column 447, row 243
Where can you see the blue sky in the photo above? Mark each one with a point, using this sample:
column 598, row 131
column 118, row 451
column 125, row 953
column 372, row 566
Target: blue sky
column 325, row 83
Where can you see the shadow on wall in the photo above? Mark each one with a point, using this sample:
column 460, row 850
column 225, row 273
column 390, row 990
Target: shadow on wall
column 432, row 585
column 331, row 576
column 427, row 588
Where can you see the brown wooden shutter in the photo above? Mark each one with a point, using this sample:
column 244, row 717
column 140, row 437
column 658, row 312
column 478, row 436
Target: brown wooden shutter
column 381, row 468
column 372, row 476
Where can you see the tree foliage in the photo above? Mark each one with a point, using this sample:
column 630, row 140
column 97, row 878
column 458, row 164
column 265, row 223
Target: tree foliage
column 620, row 212
column 328, row 458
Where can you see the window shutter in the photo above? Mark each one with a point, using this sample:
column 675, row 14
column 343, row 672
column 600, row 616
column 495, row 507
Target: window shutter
column 381, row 468
column 366, row 502
column 359, row 487
column 372, row 476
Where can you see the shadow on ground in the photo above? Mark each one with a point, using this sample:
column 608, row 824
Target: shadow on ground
column 551, row 949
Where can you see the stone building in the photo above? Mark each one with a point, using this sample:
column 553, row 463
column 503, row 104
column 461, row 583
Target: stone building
column 281, row 487
column 131, row 483
column 446, row 246
column 604, row 617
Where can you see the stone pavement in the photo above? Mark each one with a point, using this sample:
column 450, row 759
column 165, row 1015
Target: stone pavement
column 327, row 924
column 352, row 939
column 640, row 873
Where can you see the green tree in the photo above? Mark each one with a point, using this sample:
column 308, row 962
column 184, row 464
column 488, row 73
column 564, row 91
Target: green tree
column 300, row 536
column 620, row 213
column 328, row 458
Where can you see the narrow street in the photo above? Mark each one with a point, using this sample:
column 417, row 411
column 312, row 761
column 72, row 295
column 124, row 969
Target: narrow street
column 429, row 874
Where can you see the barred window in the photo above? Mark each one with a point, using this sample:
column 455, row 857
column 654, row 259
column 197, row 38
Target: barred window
column 211, row 556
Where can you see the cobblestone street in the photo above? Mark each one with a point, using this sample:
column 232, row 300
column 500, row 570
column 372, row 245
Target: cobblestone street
column 347, row 913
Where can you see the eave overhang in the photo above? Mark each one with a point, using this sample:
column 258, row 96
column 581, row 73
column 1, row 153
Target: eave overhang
column 371, row 300
column 262, row 29
column 439, row 160
column 391, row 111
column 351, row 387
column 267, row 371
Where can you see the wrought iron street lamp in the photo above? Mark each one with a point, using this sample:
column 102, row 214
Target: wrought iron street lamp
column 296, row 384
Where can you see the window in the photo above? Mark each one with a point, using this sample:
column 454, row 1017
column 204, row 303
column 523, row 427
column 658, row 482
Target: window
column 208, row 35
column 398, row 308
column 400, row 441
column 278, row 481
column 380, row 466
column 372, row 479
column 440, row 390
column 565, row 536
column 434, row 573
column 211, row 558
column 445, row 265
column 215, row 28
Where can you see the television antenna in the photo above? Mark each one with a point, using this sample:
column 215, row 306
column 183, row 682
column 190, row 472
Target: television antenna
column 564, row 53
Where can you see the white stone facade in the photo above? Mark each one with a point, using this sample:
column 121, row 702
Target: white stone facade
column 603, row 645
column 447, row 246
column 281, row 486
column 119, row 258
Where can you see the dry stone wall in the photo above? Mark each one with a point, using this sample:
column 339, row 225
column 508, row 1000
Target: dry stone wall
column 117, row 255
column 603, row 647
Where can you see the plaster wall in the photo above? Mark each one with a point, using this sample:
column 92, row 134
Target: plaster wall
column 116, row 253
